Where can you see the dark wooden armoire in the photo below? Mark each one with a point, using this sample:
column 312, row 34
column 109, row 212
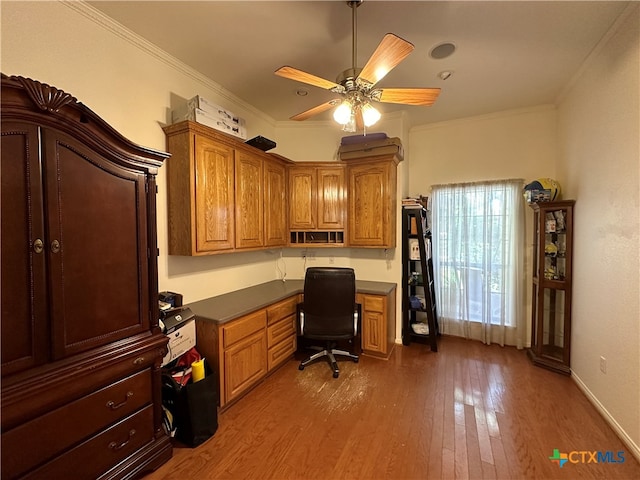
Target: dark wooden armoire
column 81, row 347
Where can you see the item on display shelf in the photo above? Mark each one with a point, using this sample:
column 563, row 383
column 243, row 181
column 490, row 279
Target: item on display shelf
column 542, row 190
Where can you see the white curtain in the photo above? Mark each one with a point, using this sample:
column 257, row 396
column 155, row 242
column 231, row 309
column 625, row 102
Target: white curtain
column 478, row 251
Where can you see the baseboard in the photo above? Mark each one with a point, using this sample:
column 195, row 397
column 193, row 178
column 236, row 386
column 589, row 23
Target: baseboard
column 629, row 443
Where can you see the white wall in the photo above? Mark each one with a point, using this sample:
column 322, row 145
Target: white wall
column 599, row 139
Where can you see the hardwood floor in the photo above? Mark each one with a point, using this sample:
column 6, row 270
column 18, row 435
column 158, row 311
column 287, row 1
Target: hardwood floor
column 468, row 411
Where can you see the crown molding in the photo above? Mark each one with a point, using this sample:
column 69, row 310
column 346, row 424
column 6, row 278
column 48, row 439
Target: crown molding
column 119, row 30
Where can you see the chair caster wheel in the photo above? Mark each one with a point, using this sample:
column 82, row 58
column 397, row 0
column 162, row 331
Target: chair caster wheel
column 300, row 367
column 335, row 374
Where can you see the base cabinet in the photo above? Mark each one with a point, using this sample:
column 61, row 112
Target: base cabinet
column 378, row 323
column 243, row 351
column 281, row 332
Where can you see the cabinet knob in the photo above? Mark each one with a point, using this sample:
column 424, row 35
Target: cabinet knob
column 38, row 246
column 138, row 361
column 55, row 246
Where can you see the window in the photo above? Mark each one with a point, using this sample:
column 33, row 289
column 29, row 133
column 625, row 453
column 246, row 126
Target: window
column 477, row 235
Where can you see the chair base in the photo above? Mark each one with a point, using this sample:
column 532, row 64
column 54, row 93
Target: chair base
column 330, row 353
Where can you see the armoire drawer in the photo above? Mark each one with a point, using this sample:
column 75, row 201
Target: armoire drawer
column 55, row 431
column 99, row 453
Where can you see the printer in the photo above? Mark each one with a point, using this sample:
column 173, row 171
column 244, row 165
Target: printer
column 179, row 325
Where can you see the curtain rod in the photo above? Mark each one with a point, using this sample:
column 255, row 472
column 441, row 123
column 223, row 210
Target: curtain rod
column 480, row 182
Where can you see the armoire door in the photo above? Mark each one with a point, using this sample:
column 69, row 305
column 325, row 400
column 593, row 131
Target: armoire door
column 25, row 337
column 96, row 247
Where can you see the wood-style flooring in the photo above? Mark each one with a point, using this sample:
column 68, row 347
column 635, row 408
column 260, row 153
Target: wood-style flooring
column 469, row 411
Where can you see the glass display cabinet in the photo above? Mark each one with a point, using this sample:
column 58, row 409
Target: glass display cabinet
column 551, row 301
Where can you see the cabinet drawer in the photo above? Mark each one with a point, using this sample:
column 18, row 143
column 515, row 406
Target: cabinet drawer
column 373, row 304
column 101, row 452
column 281, row 330
column 57, row 430
column 281, row 352
column 281, row 310
column 243, row 327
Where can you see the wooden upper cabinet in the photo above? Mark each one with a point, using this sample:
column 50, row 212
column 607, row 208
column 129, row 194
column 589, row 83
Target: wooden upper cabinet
column 214, row 196
column 275, row 203
column 317, row 197
column 249, row 201
column 331, row 198
column 200, row 191
column 372, row 202
column 302, row 198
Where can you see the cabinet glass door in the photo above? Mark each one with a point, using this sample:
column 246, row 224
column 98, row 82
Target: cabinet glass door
column 552, row 344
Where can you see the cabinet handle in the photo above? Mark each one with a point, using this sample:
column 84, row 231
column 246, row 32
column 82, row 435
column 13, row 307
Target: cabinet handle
column 55, row 246
column 117, row 446
column 138, row 361
column 38, row 246
column 114, row 406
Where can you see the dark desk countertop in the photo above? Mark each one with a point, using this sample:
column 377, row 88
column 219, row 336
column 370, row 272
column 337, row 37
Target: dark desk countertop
column 229, row 306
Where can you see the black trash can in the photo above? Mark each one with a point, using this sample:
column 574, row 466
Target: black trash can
column 194, row 407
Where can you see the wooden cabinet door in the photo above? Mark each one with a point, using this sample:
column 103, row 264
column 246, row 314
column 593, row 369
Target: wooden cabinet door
column 214, row 191
column 374, row 323
column 372, row 205
column 249, row 201
column 25, row 337
column 244, row 364
column 275, row 201
column 331, row 198
column 97, row 247
column 302, row 198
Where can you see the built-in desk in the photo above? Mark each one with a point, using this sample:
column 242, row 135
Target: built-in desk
column 248, row 333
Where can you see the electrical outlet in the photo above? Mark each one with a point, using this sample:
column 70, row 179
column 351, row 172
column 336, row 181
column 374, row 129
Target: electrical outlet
column 603, row 364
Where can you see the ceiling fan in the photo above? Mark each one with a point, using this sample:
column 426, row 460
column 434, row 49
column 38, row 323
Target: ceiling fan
column 356, row 85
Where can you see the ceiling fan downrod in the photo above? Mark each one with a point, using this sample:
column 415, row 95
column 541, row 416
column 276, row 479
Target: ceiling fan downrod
column 354, row 4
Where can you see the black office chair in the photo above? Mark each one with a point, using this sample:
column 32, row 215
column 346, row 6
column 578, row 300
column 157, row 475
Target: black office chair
column 329, row 312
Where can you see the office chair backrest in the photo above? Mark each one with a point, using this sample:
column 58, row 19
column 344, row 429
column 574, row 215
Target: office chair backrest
column 329, row 302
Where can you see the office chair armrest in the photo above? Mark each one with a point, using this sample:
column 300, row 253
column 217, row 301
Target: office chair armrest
column 300, row 318
column 357, row 319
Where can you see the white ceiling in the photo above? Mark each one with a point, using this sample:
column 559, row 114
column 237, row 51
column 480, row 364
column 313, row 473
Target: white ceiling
column 510, row 54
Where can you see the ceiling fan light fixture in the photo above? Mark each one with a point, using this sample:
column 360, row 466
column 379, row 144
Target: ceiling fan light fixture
column 370, row 114
column 343, row 113
column 351, row 125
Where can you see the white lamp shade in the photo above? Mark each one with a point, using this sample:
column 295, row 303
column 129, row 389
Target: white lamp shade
column 369, row 115
column 342, row 114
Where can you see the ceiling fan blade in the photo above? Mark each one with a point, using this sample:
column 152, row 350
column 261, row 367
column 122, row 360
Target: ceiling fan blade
column 389, row 53
column 315, row 110
column 408, row 96
column 304, row 77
